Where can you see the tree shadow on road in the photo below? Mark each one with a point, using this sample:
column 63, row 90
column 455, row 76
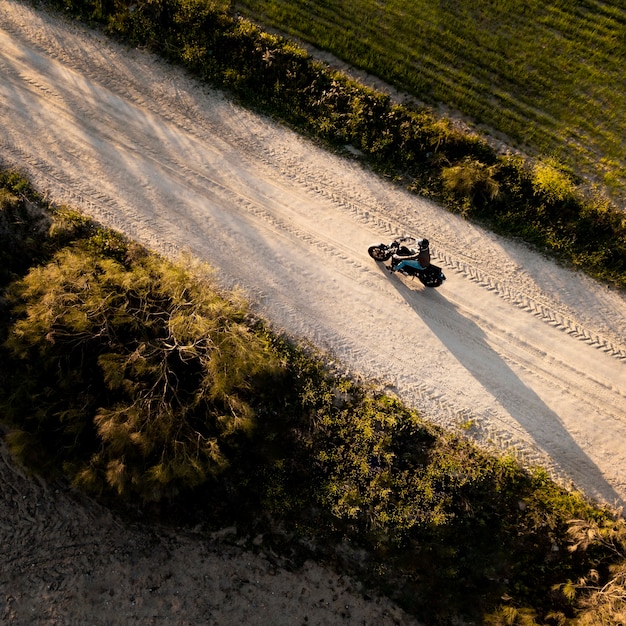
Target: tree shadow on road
column 456, row 332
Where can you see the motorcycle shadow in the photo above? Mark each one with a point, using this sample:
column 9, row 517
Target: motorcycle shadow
column 467, row 342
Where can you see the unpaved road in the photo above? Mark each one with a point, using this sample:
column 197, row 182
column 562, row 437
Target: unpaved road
column 532, row 357
column 523, row 354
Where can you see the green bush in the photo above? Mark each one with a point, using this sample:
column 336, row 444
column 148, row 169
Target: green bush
column 23, row 225
column 600, row 595
column 137, row 375
column 440, row 522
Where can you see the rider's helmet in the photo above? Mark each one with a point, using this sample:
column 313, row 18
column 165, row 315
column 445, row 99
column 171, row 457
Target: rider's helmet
column 423, row 244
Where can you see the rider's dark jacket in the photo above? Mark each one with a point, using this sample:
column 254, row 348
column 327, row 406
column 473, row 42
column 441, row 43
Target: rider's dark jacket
column 422, row 257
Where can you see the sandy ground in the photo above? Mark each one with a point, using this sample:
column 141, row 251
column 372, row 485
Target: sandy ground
column 66, row 561
column 515, row 351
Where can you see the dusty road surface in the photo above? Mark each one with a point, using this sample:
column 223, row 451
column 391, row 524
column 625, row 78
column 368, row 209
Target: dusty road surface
column 522, row 354
column 528, row 355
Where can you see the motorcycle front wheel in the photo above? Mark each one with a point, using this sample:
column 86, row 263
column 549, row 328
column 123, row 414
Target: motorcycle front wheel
column 379, row 253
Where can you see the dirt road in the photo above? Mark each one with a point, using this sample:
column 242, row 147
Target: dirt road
column 527, row 355
column 520, row 353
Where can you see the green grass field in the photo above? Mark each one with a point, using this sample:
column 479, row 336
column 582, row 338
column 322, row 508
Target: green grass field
column 548, row 74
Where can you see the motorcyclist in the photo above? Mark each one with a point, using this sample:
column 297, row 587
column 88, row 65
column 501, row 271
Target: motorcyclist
column 419, row 259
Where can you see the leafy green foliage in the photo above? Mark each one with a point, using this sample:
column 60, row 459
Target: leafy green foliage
column 511, row 616
column 439, row 520
column 471, row 181
column 600, row 595
column 23, row 225
column 141, row 372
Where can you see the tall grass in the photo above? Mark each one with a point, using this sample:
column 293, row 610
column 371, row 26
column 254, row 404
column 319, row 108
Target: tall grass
column 550, row 75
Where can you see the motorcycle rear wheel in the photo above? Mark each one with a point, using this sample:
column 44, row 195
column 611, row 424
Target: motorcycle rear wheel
column 431, row 277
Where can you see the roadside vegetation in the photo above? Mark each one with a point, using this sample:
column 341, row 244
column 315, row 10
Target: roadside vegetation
column 535, row 199
column 547, row 75
column 137, row 380
column 134, row 378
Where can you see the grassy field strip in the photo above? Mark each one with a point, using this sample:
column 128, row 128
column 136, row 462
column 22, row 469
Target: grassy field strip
column 548, row 75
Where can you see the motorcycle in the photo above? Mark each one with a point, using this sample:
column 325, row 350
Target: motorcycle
column 432, row 276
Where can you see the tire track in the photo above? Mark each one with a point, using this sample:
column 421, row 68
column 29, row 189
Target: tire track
column 560, row 320
column 149, row 153
column 370, row 216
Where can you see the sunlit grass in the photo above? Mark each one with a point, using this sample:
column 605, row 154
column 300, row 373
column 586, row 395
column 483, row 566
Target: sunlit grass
column 549, row 75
